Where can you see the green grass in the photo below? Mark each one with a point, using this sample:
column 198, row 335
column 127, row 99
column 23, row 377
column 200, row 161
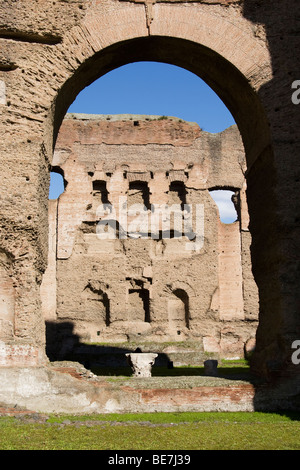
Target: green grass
column 154, row 431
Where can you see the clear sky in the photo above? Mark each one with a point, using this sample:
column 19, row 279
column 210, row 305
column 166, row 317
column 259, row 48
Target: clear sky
column 157, row 89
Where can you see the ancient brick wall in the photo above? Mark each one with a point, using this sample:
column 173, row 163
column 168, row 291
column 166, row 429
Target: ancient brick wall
column 156, row 282
column 244, row 50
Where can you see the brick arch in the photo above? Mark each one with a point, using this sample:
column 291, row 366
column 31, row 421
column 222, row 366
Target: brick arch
column 189, row 37
column 192, row 38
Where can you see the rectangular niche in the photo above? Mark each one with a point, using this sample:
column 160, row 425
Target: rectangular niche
column 178, row 310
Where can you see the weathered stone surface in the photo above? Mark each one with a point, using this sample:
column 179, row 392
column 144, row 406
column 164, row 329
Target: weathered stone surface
column 141, row 363
column 69, row 388
column 245, row 50
column 146, row 285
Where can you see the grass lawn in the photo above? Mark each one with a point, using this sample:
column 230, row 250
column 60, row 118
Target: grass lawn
column 153, row 431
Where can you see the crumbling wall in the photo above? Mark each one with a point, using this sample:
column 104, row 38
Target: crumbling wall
column 244, row 50
column 147, row 281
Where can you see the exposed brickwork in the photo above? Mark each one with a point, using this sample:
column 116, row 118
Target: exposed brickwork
column 146, row 289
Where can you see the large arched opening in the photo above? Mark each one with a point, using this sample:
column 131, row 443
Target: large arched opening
column 230, row 85
column 222, row 76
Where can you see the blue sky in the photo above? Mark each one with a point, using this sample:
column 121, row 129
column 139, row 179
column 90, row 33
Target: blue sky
column 154, row 88
column 157, row 89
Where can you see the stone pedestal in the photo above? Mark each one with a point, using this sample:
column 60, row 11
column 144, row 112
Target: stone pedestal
column 141, row 363
column 211, row 367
